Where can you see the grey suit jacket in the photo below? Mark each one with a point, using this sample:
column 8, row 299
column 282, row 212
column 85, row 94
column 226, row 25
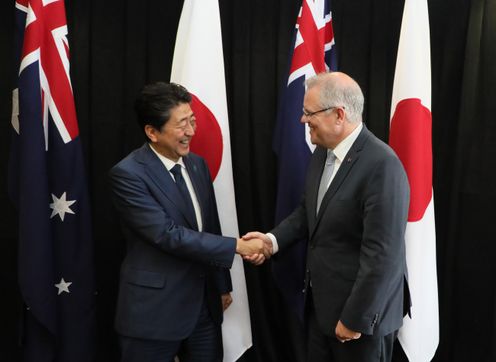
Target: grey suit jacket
column 356, row 249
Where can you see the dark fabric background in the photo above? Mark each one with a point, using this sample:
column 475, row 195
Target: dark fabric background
column 117, row 46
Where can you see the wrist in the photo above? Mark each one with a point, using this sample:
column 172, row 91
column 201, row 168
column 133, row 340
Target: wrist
column 238, row 246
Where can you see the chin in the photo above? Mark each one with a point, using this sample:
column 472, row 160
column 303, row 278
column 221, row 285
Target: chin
column 184, row 152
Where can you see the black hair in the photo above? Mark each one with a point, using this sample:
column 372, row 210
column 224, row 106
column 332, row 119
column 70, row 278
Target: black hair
column 156, row 100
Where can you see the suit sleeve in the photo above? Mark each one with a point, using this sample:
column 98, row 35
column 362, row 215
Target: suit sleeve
column 382, row 252
column 293, row 228
column 142, row 214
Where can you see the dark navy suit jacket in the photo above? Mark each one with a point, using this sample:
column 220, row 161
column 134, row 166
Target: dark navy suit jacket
column 356, row 250
column 169, row 268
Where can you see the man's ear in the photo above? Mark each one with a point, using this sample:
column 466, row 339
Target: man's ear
column 151, row 133
column 340, row 112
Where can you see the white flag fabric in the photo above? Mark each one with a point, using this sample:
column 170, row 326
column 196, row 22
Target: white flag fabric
column 198, row 65
column 411, row 138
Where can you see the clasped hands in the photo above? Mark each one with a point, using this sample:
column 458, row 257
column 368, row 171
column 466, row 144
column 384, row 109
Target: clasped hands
column 254, row 247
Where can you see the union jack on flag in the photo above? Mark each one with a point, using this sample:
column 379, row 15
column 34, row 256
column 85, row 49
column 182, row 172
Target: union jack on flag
column 313, row 53
column 47, row 185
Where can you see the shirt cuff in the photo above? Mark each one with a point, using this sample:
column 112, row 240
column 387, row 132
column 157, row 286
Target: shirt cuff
column 275, row 246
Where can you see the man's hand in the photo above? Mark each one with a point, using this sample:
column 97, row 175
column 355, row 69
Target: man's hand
column 226, row 300
column 247, row 248
column 258, row 259
column 344, row 334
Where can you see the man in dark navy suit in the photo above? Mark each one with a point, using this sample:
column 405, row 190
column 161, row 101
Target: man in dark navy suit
column 174, row 280
column 353, row 213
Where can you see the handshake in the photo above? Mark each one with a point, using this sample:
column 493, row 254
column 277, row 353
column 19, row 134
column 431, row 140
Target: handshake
column 254, row 247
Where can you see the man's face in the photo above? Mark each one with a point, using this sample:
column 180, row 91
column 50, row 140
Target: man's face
column 172, row 141
column 326, row 128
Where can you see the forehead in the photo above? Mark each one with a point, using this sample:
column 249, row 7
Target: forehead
column 181, row 111
column 312, row 96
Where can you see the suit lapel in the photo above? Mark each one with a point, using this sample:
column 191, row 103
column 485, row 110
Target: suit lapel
column 195, row 177
column 164, row 181
column 344, row 170
column 314, row 174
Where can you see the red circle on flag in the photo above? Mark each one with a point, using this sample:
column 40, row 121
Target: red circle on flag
column 207, row 141
column 411, row 137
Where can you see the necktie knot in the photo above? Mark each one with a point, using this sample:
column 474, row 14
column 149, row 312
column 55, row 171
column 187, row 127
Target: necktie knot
column 176, row 171
column 331, row 158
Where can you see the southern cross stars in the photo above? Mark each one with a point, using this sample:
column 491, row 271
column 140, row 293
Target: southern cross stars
column 63, row 286
column 60, row 206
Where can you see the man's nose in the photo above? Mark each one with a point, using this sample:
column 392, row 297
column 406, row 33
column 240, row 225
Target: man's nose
column 190, row 129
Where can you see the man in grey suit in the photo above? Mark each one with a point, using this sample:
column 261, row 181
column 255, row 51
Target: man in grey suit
column 353, row 213
column 174, row 281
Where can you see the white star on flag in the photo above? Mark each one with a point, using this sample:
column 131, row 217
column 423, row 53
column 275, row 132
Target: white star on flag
column 63, row 286
column 60, row 206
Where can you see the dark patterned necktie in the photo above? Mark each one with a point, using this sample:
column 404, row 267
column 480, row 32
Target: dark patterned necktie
column 183, row 189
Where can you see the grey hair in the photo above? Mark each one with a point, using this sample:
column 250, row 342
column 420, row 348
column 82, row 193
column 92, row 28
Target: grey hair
column 339, row 91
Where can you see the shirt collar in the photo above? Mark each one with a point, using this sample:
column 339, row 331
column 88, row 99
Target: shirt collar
column 168, row 163
column 344, row 146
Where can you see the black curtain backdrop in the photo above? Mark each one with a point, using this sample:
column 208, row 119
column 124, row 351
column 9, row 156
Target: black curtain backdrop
column 117, row 46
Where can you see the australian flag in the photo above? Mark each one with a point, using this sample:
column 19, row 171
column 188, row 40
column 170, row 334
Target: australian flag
column 47, row 185
column 313, row 53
